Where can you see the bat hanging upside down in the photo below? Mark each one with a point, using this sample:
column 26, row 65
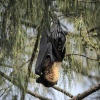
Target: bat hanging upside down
column 50, row 73
column 51, row 54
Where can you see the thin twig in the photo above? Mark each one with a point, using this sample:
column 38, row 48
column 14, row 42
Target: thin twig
column 86, row 93
column 5, row 89
column 93, row 29
column 28, row 91
column 83, row 56
column 24, row 63
column 84, row 1
column 63, row 91
column 4, row 65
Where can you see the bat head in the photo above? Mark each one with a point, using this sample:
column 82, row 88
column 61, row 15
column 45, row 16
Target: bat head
column 50, row 75
column 45, row 82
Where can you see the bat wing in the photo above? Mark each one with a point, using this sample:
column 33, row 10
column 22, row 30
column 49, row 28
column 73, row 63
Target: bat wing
column 51, row 45
column 44, row 51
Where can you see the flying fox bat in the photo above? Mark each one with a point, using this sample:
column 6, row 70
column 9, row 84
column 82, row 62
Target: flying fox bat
column 51, row 54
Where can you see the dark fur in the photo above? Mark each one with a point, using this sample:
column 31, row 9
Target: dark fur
column 51, row 51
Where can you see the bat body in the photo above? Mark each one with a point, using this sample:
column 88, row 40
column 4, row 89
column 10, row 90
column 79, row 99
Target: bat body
column 51, row 54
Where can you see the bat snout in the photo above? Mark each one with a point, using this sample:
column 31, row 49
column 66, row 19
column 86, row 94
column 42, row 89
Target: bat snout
column 44, row 82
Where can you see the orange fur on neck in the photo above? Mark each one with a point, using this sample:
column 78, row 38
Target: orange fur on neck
column 51, row 74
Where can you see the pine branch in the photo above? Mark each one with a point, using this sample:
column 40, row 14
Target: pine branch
column 63, row 91
column 28, row 91
column 86, row 93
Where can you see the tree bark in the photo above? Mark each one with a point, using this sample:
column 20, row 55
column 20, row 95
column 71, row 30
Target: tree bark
column 86, row 93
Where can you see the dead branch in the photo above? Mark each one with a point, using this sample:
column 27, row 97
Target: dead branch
column 63, row 91
column 86, row 93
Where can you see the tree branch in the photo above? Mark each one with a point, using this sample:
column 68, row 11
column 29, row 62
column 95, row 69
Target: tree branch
column 37, row 95
column 28, row 91
column 87, row 1
column 86, row 93
column 4, row 65
column 34, row 49
column 93, row 29
column 33, row 55
column 5, row 89
column 83, row 56
column 63, row 91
